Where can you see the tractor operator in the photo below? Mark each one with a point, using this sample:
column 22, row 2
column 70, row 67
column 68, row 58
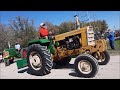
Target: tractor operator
column 43, row 31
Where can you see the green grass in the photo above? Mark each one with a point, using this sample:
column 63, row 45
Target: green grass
column 117, row 48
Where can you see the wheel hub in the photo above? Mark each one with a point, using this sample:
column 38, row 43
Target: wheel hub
column 85, row 66
column 35, row 61
column 100, row 57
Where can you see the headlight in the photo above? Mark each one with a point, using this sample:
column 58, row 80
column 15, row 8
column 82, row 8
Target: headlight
column 5, row 54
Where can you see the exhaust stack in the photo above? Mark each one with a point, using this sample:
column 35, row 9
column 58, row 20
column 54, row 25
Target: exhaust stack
column 77, row 24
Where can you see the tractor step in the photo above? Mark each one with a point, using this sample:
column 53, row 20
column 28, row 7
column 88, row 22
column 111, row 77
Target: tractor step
column 21, row 63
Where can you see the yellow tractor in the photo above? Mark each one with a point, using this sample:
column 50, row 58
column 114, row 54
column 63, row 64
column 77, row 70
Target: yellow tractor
column 79, row 43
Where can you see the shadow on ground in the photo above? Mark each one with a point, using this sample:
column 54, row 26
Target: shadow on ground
column 74, row 74
column 27, row 70
column 69, row 66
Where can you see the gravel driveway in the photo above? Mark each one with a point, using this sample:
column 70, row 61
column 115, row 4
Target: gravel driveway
column 109, row 71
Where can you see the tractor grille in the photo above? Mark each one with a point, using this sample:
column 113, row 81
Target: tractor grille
column 90, row 36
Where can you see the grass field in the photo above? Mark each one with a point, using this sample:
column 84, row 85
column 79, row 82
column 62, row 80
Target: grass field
column 117, row 48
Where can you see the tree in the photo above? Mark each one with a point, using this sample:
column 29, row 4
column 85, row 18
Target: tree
column 99, row 25
column 2, row 37
column 104, row 26
column 6, row 35
column 24, row 30
column 53, row 28
column 66, row 26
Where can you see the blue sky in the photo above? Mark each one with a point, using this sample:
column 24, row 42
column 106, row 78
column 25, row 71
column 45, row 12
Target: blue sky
column 57, row 17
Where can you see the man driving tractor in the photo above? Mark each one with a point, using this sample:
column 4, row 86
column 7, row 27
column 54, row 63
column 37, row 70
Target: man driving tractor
column 43, row 31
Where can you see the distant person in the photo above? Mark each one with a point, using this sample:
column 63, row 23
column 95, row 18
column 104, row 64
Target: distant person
column 17, row 46
column 111, row 38
column 43, row 31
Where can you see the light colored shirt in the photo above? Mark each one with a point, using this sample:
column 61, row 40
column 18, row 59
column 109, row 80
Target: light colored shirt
column 17, row 46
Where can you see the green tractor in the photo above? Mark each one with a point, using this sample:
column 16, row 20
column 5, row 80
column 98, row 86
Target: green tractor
column 10, row 54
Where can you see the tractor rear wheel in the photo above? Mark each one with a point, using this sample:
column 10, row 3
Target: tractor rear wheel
column 86, row 66
column 39, row 59
column 63, row 62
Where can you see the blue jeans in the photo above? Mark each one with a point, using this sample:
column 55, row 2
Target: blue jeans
column 112, row 44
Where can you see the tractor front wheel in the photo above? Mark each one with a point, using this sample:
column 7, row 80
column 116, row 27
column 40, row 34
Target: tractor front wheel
column 103, row 58
column 86, row 66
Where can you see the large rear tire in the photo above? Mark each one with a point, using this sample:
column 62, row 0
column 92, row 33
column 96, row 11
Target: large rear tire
column 86, row 66
column 39, row 59
column 63, row 62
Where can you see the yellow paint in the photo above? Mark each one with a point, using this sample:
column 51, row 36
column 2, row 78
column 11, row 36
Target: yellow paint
column 60, row 52
column 71, row 33
column 84, row 38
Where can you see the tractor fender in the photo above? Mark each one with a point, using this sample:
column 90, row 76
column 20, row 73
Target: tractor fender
column 44, row 42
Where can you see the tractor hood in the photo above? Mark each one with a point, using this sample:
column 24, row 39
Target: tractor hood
column 11, row 52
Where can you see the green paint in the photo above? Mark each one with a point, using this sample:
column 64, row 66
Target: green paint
column 12, row 52
column 56, row 44
column 74, row 56
column 39, row 41
column 43, row 41
column 21, row 63
column 51, row 47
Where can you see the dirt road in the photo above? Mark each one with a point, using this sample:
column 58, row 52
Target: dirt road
column 109, row 71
